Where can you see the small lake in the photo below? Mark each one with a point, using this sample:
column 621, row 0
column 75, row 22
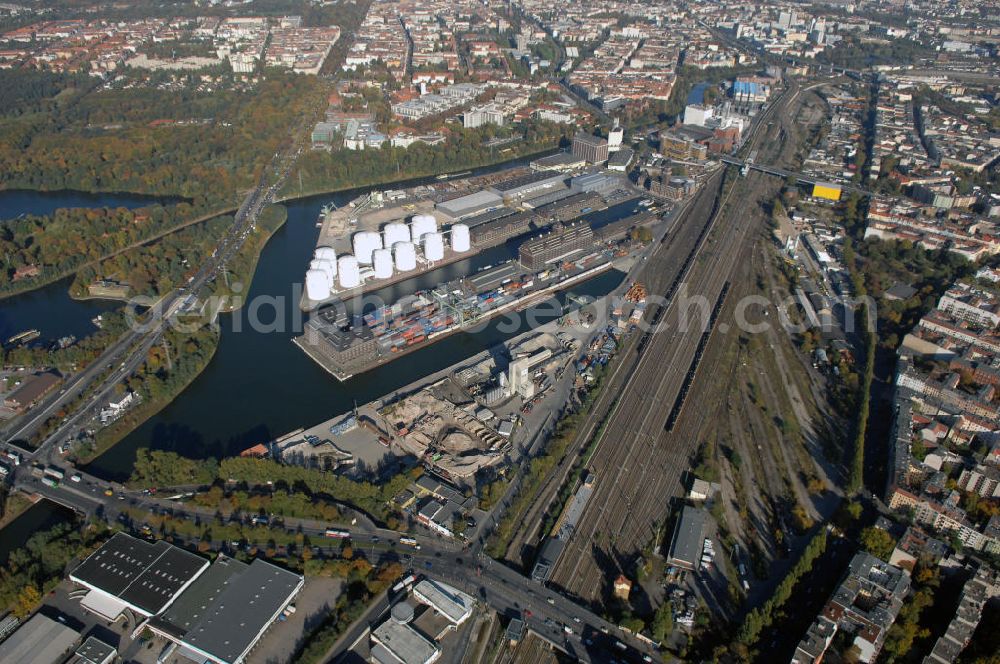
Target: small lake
column 50, row 309
column 697, row 94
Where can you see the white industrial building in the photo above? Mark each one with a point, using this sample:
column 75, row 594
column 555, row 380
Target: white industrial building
column 697, row 114
column 450, row 602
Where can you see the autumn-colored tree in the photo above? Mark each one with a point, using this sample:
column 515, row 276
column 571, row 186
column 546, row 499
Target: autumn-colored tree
column 27, row 600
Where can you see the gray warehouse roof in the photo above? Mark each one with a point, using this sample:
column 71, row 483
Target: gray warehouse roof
column 41, row 640
column 686, row 544
column 241, row 609
column 403, row 643
column 95, row 651
column 144, row 575
column 528, row 181
column 469, row 204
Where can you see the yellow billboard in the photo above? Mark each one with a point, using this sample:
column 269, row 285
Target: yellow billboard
column 830, row 192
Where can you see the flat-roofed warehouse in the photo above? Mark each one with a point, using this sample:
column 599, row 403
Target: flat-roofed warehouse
column 129, row 573
column 560, row 161
column 529, row 185
column 396, row 642
column 214, row 613
column 450, row 602
column 222, row 616
column 687, row 541
column 41, row 640
column 470, row 204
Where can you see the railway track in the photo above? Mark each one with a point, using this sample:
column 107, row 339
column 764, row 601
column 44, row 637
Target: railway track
column 671, row 265
column 637, row 471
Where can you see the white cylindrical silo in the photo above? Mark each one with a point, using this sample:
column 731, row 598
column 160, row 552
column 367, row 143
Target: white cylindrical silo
column 433, row 245
column 421, row 225
column 348, row 272
column 405, row 254
column 365, row 243
column 382, row 263
column 395, row 232
column 317, row 285
column 328, row 267
column 325, row 252
column 460, row 240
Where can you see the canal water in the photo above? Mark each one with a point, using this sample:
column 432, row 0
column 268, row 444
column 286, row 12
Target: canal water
column 697, row 94
column 41, row 516
column 50, row 309
column 259, row 384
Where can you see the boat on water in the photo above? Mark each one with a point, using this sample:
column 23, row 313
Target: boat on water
column 24, row 337
column 324, row 211
column 448, row 176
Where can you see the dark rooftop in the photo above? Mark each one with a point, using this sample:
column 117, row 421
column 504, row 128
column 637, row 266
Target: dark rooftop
column 144, row 575
column 687, row 542
column 242, row 609
column 514, row 183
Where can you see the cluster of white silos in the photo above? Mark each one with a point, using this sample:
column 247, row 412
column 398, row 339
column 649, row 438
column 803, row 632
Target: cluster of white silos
column 322, row 273
column 424, row 229
column 393, row 250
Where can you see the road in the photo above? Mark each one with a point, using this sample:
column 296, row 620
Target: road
column 802, row 177
column 85, row 392
column 502, row 588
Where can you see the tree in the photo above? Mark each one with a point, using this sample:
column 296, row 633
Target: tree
column 877, row 542
column 27, row 600
column 663, row 622
column 633, row 624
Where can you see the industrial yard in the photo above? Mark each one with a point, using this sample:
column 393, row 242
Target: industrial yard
column 558, row 246
column 385, row 237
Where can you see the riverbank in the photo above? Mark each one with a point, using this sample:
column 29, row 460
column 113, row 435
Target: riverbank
column 411, row 176
column 247, row 259
column 15, row 504
column 113, row 434
column 48, row 278
column 267, row 226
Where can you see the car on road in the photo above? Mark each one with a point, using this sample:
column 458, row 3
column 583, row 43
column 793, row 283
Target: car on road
column 75, row 477
column 109, row 493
